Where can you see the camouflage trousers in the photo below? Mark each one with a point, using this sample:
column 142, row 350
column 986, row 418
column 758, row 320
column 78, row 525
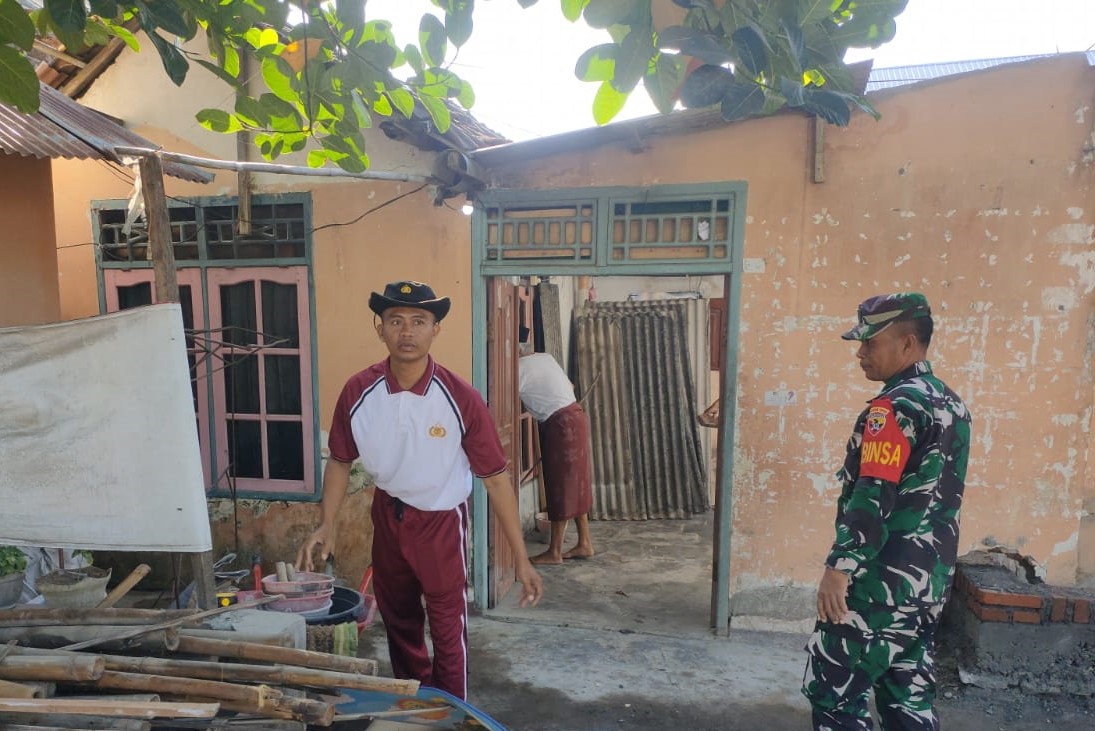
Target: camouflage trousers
column 849, row 660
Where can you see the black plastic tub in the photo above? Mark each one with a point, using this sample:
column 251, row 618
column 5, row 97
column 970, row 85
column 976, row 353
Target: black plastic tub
column 347, row 605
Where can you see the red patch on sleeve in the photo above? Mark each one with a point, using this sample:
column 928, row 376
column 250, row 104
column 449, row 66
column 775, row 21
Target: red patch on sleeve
column 885, row 449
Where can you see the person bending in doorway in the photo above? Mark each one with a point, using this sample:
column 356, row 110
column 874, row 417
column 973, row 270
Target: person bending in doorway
column 548, row 395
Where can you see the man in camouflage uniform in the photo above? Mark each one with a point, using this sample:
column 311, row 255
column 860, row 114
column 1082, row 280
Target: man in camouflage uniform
column 890, row 567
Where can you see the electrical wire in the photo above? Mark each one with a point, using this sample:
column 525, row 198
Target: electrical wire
column 374, row 209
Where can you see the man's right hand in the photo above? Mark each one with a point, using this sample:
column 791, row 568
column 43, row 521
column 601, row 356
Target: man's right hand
column 324, row 538
column 832, row 592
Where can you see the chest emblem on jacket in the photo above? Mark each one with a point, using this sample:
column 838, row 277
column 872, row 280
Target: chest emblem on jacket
column 876, row 419
column 437, row 431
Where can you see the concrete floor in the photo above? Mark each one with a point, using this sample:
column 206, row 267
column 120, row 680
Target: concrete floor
column 622, row 641
column 648, row 576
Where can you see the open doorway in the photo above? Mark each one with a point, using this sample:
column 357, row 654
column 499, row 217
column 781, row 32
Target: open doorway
column 644, row 354
column 687, row 230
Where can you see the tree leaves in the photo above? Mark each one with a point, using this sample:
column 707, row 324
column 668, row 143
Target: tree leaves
column 327, row 69
column 21, row 83
column 742, row 100
column 15, row 25
column 572, row 9
column 174, row 63
column 756, row 56
column 597, row 63
column 705, row 86
column 68, row 15
column 432, row 40
column 698, row 44
column 663, row 81
column 607, row 103
column 751, row 47
column 605, row 13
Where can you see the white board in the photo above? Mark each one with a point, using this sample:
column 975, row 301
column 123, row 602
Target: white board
column 98, row 443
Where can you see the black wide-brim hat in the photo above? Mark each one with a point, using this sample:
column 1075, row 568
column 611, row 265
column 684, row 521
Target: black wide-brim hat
column 410, row 294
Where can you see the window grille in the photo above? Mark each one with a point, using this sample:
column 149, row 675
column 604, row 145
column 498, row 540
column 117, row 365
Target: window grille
column 208, row 232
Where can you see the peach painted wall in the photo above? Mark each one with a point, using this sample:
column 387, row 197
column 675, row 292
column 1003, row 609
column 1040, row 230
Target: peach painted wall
column 960, row 191
column 28, row 277
column 408, row 239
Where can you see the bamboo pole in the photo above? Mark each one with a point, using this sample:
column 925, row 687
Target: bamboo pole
column 110, row 637
column 25, row 727
column 270, row 674
column 71, row 669
column 312, row 712
column 256, row 697
column 44, row 616
column 193, row 618
column 69, row 720
column 257, row 652
column 9, row 689
column 108, row 708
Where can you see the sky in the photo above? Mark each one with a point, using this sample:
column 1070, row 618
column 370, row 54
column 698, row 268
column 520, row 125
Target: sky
column 521, row 62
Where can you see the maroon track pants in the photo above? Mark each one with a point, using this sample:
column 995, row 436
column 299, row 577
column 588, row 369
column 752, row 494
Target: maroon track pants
column 416, row 554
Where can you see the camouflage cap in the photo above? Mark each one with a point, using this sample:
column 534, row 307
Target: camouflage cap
column 879, row 312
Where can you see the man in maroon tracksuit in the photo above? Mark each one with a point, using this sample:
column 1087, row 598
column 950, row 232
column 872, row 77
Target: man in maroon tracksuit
column 422, row 432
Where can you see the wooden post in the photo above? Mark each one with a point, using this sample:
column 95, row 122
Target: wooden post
column 167, row 290
column 159, row 229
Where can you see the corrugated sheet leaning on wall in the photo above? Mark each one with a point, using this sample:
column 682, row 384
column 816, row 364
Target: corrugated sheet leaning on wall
column 633, row 360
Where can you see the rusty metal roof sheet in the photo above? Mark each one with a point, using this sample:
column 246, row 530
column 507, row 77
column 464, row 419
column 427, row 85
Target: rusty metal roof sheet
column 63, row 128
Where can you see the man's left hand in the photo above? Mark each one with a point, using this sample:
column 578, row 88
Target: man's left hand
column 832, row 605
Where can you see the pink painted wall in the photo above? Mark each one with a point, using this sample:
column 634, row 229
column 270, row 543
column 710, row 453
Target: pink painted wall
column 28, row 277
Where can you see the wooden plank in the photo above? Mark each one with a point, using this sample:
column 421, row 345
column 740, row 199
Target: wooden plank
column 124, row 586
column 126, row 709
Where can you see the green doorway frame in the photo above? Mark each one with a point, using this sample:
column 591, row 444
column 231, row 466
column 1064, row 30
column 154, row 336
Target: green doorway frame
column 601, row 223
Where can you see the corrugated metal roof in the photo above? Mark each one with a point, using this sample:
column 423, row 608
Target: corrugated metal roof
column 63, row 128
column 902, row 75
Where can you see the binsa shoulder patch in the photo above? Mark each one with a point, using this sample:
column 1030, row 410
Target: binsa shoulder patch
column 885, row 449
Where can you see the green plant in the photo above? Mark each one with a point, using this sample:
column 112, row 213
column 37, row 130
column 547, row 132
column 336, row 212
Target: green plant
column 88, row 555
column 12, row 560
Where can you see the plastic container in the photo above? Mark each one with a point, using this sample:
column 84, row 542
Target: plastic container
column 319, row 611
column 299, row 604
column 307, row 582
column 347, row 605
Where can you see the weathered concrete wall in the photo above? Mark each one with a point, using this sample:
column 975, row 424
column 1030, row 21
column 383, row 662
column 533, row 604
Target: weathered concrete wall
column 28, row 277
column 982, row 203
